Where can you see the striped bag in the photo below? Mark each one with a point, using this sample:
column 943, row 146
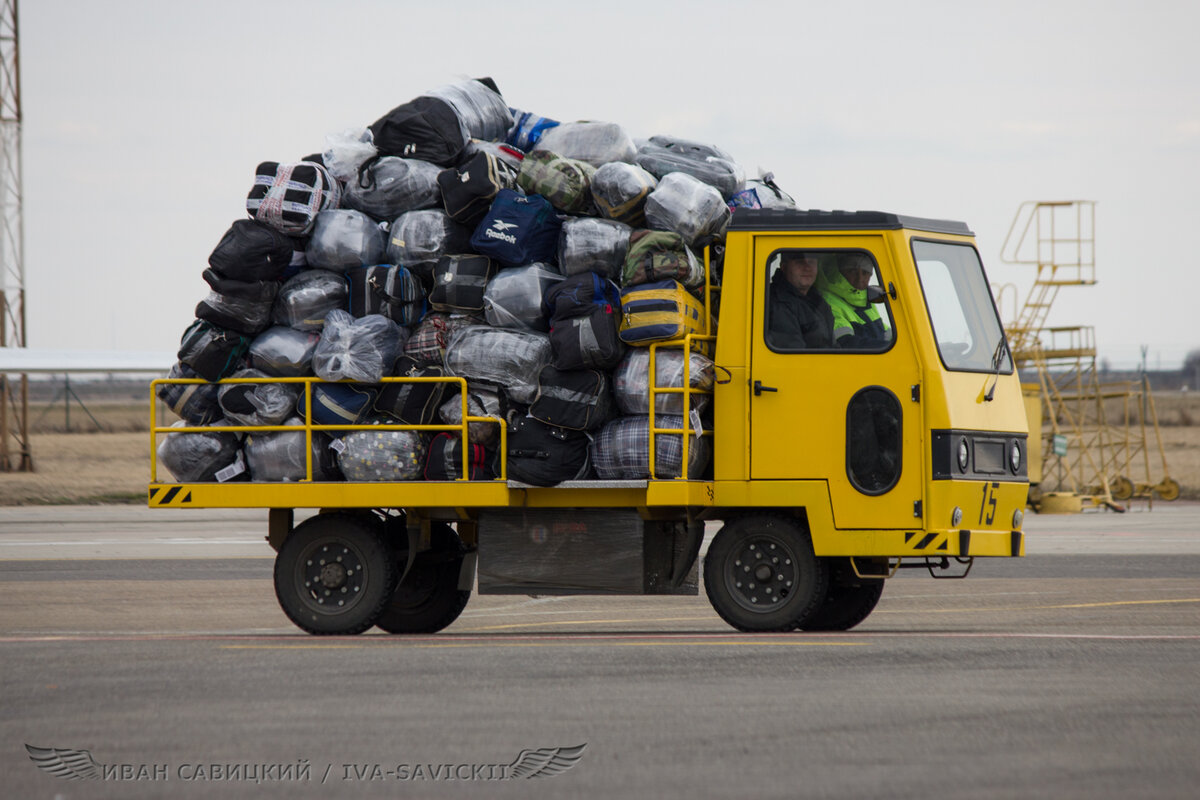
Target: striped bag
column 288, row 196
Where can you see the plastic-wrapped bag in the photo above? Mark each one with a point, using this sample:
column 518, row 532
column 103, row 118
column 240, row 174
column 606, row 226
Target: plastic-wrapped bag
column 513, row 298
column 507, row 154
column 258, row 403
column 420, row 238
column 283, row 352
column 252, row 251
column 480, row 108
column 689, row 207
column 427, row 345
column 565, row 182
column 662, row 155
column 357, row 349
column 631, row 381
column 766, row 194
column 621, row 450
column 597, row 143
column 660, row 255
column 587, row 244
column 389, row 186
column 347, row 150
column 344, row 238
column 194, row 403
column 527, row 129
column 275, row 456
column 502, row 357
column 480, row 403
column 240, row 306
column 201, row 457
column 303, row 301
column 619, row 191
column 289, row 196
column 382, row 455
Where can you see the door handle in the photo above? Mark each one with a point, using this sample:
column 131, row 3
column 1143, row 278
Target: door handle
column 759, row 388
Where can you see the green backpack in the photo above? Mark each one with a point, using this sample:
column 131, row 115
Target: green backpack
column 565, row 182
column 660, row 256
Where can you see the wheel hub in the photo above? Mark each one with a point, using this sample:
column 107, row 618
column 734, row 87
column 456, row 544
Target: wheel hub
column 762, row 574
column 333, row 575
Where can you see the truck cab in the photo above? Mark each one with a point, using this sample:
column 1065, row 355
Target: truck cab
column 835, row 462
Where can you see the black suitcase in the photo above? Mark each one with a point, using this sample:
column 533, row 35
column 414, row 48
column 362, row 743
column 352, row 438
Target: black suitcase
column 578, row 399
column 427, row 128
column 211, row 351
column 239, row 306
column 543, row 455
column 252, row 251
column 414, row 403
column 343, row 238
column 194, row 403
column 445, row 460
column 585, row 317
column 459, row 283
column 395, row 292
column 467, row 193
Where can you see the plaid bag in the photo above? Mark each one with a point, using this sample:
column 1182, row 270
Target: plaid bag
column 621, row 450
column 446, row 459
column 288, row 196
column 565, row 182
column 427, row 345
column 502, row 357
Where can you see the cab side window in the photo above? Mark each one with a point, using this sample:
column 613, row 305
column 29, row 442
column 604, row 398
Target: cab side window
column 818, row 300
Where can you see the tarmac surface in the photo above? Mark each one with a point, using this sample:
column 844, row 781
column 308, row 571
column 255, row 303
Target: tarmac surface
column 153, row 640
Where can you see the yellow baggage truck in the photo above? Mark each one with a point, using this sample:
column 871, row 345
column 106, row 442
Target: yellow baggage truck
column 831, row 467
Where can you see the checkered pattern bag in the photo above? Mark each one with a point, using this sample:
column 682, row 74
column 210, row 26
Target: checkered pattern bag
column 289, row 196
column 621, row 451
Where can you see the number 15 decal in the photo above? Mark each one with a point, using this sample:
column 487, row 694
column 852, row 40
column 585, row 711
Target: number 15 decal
column 988, row 506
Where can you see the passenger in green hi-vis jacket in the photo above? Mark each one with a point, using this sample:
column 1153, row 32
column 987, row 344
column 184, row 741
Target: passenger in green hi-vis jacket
column 857, row 324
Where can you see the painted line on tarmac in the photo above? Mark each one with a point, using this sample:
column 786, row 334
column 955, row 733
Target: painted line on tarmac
column 1109, row 604
column 567, row 642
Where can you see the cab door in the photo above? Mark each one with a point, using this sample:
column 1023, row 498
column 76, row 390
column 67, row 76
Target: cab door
column 851, row 417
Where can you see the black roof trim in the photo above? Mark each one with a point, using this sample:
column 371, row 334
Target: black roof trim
column 754, row 219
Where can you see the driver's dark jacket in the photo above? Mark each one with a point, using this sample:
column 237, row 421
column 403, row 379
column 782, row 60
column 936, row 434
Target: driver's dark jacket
column 797, row 320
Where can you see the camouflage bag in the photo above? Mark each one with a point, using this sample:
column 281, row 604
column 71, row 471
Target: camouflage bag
column 565, row 182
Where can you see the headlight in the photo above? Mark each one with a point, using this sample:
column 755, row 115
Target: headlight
column 1014, row 457
column 956, row 517
column 964, row 454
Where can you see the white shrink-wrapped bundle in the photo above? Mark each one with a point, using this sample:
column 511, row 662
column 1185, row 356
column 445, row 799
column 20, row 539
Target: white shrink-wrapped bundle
column 344, row 238
column 284, row 352
column 689, row 207
column 587, row 244
column 631, row 381
column 621, row 450
column 419, row 238
column 347, row 150
column 620, row 190
column 305, row 299
column 513, row 299
column 258, row 403
column 597, row 143
column 480, row 108
column 387, row 187
column 201, row 457
column 275, row 456
column 359, row 350
column 382, row 455
column 662, row 155
column 480, row 403
column 501, row 357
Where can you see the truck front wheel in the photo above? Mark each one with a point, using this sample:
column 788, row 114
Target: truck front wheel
column 760, row 574
column 334, row 574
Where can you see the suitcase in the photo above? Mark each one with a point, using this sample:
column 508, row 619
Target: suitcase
column 395, row 292
column 587, row 244
column 459, row 283
column 420, row 238
column 360, row 350
column 445, row 460
column 425, row 128
column 303, row 301
column 343, row 239
column 413, row 403
column 578, row 399
column 584, row 313
column 202, row 457
column 288, row 196
column 212, row 352
column 468, row 192
column 382, row 455
column 252, row 251
column 596, row 143
column 427, row 345
column 500, row 357
column 619, row 192
column 621, row 450
column 631, row 381
column 662, row 155
column 565, row 182
column 656, row 312
column 283, row 352
column 387, row 186
column 544, row 455
column 514, row 297
column 338, row 403
column 258, row 403
column 277, row 456
column 194, row 403
column 240, row 306
column 518, row 230
column 655, row 256
column 527, row 129
column 685, row 205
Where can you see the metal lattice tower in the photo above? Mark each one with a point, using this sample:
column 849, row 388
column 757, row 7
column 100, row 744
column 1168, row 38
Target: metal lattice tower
column 15, row 453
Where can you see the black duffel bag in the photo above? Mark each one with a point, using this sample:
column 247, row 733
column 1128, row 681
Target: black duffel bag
column 543, row 455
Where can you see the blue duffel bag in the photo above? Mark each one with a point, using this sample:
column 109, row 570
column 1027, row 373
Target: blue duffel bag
column 518, row 229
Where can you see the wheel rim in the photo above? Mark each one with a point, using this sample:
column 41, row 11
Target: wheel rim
column 761, row 574
column 330, row 576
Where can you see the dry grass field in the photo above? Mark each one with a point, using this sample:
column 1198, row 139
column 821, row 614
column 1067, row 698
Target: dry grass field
column 112, row 465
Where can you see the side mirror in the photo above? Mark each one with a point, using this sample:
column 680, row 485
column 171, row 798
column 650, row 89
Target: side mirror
column 875, row 295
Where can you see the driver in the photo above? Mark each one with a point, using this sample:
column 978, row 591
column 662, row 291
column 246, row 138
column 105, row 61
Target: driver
column 799, row 317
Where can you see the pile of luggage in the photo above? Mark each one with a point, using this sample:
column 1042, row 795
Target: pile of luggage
column 457, row 236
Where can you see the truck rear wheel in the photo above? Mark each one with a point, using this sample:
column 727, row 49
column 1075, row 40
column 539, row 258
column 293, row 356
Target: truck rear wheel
column 334, row 574
column 760, row 574
column 428, row 599
column 848, row 601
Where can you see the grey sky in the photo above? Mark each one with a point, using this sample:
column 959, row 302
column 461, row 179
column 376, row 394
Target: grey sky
column 143, row 122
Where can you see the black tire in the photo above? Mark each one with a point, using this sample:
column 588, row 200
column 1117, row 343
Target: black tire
column 848, row 601
column 334, row 574
column 428, row 599
column 760, row 574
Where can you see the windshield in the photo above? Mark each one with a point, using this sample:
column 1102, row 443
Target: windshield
column 965, row 324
